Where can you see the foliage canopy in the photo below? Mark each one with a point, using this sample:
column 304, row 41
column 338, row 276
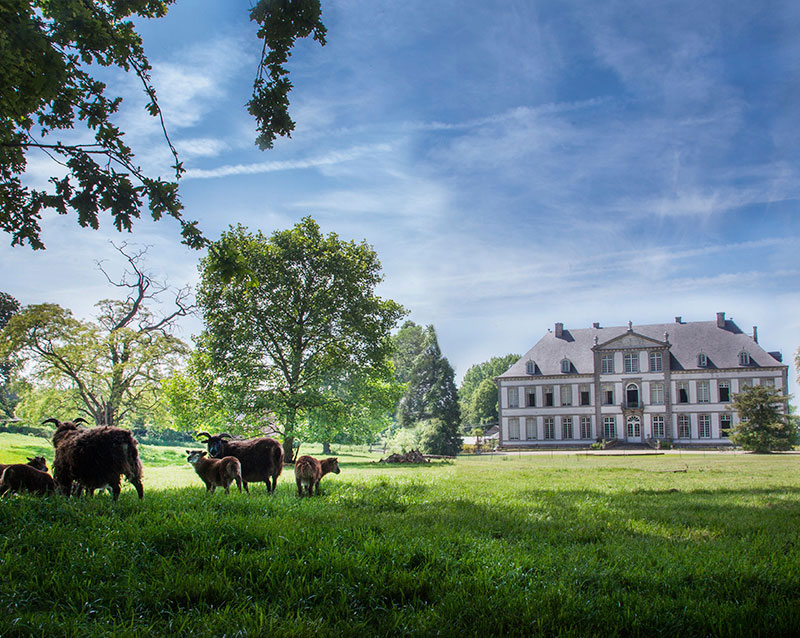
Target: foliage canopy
column 764, row 425
column 52, row 104
column 300, row 333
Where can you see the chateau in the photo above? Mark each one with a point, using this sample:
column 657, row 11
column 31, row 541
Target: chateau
column 633, row 384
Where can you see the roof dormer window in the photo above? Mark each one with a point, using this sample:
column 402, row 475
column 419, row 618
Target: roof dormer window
column 702, row 360
column 744, row 358
column 566, row 365
column 530, row 367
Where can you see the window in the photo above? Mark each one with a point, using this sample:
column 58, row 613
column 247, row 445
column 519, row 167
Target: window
column 566, row 366
column 658, row 427
column 566, row 427
column 656, row 362
column 724, row 392
column 607, row 364
column 586, row 427
column 702, row 360
column 513, row 429
column 566, row 395
column 631, row 362
column 744, row 358
column 548, row 396
column 513, row 397
column 530, row 367
column 683, row 392
column 608, row 395
column 585, row 395
column 744, row 383
column 549, row 428
column 609, row 427
column 531, row 397
column 634, row 427
column 632, row 395
column 725, row 421
column 770, row 383
column 657, row 393
column 704, row 426
column 530, row 428
column 684, row 426
column 703, row 392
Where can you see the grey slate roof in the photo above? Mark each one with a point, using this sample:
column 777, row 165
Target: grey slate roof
column 721, row 345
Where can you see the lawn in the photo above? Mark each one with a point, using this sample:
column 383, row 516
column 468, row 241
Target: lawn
column 504, row 545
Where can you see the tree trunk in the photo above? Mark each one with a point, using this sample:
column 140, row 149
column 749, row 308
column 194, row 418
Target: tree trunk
column 288, row 449
column 326, row 448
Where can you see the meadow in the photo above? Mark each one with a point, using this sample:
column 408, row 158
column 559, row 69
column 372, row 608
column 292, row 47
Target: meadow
column 508, row 545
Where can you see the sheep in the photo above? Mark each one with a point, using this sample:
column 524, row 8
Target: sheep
column 36, row 462
column 308, row 472
column 215, row 472
column 261, row 458
column 21, row 477
column 95, row 457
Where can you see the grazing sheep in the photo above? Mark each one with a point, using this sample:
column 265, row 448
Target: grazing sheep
column 308, row 472
column 215, row 472
column 20, row 477
column 36, row 462
column 261, row 458
column 95, row 458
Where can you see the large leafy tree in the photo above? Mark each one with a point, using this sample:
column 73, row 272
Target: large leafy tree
column 114, row 364
column 298, row 323
column 430, row 396
column 8, row 307
column 764, row 423
column 478, row 392
column 52, row 104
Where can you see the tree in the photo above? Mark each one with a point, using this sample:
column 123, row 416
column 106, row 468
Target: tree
column 53, row 105
column 114, row 364
column 299, row 322
column 8, row 307
column 764, row 425
column 431, row 396
column 478, row 403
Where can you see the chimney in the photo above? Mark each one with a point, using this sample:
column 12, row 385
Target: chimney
column 559, row 330
column 596, row 324
column 720, row 320
column 755, row 334
column 677, row 320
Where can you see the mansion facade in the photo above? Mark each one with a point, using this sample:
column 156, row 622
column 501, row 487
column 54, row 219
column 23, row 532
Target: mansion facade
column 671, row 381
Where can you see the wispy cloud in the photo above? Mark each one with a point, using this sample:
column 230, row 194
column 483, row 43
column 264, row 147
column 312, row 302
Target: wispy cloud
column 328, row 159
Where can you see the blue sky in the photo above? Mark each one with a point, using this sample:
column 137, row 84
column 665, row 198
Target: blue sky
column 514, row 164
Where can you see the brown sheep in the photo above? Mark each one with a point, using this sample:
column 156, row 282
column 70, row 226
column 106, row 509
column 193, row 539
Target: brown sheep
column 261, row 458
column 95, row 458
column 215, row 472
column 308, row 472
column 36, row 462
column 25, row 478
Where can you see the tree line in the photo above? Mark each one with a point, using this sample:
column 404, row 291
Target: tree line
column 295, row 342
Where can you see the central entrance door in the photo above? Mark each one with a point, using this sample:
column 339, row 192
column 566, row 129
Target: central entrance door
column 634, row 428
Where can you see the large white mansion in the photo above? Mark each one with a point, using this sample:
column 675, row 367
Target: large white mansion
column 633, row 384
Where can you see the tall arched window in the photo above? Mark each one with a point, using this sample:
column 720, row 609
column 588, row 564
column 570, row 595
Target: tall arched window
column 634, row 427
column 632, row 395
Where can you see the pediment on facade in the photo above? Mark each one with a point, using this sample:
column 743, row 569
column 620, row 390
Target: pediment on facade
column 630, row 340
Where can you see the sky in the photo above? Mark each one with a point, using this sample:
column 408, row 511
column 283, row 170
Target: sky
column 513, row 164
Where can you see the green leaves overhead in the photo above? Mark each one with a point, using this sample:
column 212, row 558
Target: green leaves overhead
column 52, row 106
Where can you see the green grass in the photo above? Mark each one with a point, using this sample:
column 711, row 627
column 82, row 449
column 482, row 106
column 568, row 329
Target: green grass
column 517, row 545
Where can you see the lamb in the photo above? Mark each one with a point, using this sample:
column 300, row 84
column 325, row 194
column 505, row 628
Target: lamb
column 215, row 472
column 308, row 472
column 95, row 457
column 21, row 477
column 36, row 462
column 261, row 458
